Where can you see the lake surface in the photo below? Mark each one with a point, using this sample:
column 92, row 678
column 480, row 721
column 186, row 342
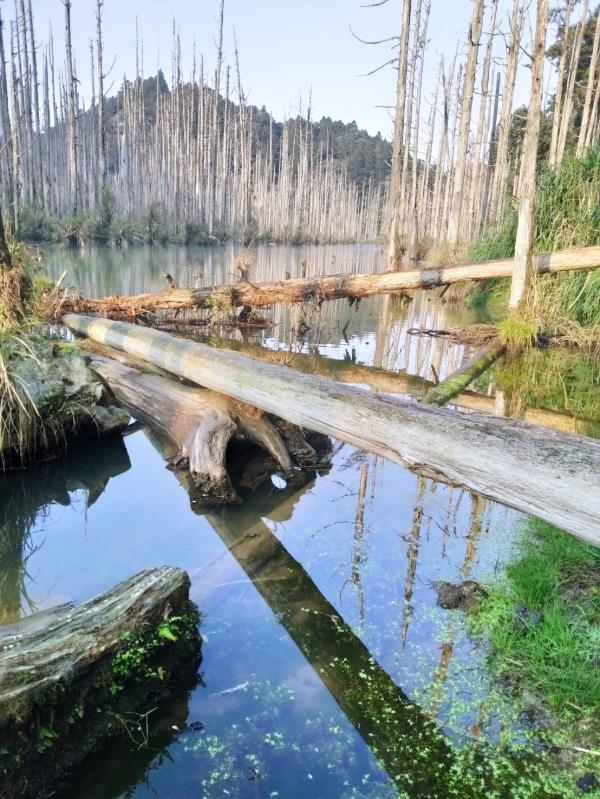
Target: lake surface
column 328, row 669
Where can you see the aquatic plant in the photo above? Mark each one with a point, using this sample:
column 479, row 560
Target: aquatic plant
column 516, row 333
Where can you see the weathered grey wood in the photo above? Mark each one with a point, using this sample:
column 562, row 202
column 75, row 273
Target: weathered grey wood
column 389, row 382
column 327, row 287
column 541, row 472
column 199, row 422
column 53, row 645
column 57, row 696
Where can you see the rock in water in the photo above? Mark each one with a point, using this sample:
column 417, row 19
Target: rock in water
column 460, row 596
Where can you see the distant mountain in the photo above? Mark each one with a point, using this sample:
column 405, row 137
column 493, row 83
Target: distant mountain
column 366, row 157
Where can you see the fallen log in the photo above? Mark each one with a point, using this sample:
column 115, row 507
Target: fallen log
column 201, row 424
column 541, row 472
column 73, row 677
column 324, row 287
column 389, row 382
column 459, row 380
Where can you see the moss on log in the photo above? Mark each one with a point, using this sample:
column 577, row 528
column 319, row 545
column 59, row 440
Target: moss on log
column 459, row 380
column 73, row 677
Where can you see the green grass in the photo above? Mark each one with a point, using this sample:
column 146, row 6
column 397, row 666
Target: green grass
column 567, row 215
column 516, row 333
column 557, row 655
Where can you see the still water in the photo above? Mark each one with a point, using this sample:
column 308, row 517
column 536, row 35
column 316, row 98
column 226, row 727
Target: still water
column 328, row 669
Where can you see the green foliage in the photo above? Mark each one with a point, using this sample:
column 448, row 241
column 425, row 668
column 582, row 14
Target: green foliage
column 567, row 215
column 35, row 225
column 557, row 380
column 516, row 333
column 543, row 620
column 137, row 656
column 46, row 738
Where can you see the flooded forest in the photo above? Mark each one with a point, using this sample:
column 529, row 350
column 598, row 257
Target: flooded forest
column 300, row 417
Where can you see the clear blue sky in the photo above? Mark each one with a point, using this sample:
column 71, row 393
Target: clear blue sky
column 286, row 47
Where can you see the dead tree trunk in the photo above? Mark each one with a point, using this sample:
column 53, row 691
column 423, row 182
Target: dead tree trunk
column 101, row 136
column 544, row 473
column 72, row 113
column 398, row 184
column 5, row 257
column 524, row 268
column 593, row 79
column 456, row 211
column 326, row 287
column 57, row 665
column 201, row 424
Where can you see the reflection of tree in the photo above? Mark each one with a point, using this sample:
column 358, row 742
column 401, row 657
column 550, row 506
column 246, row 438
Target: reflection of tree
column 26, row 496
column 412, row 555
column 436, row 689
column 357, row 554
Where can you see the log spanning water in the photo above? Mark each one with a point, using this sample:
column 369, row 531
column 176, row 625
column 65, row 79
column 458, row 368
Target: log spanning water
column 459, row 380
column 326, row 287
column 541, row 472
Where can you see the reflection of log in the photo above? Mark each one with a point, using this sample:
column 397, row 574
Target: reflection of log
column 201, row 424
column 545, row 473
column 463, row 377
column 326, row 287
column 409, row 745
column 61, row 691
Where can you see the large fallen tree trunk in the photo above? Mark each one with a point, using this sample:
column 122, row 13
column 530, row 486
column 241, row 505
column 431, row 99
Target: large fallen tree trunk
column 389, row 382
column 325, row 287
column 201, row 424
column 541, row 472
column 72, row 677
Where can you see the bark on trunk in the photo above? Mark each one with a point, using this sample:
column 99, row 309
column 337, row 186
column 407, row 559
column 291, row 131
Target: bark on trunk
column 524, row 263
column 328, row 287
column 544, row 473
column 5, row 259
column 72, row 698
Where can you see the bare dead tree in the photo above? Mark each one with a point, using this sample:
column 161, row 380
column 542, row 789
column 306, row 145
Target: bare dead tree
column 523, row 265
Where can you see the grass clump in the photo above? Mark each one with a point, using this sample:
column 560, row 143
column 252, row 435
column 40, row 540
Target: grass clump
column 517, row 333
column 543, row 622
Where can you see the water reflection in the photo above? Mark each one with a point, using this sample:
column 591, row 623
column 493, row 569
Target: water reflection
column 98, row 270
column 25, row 499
